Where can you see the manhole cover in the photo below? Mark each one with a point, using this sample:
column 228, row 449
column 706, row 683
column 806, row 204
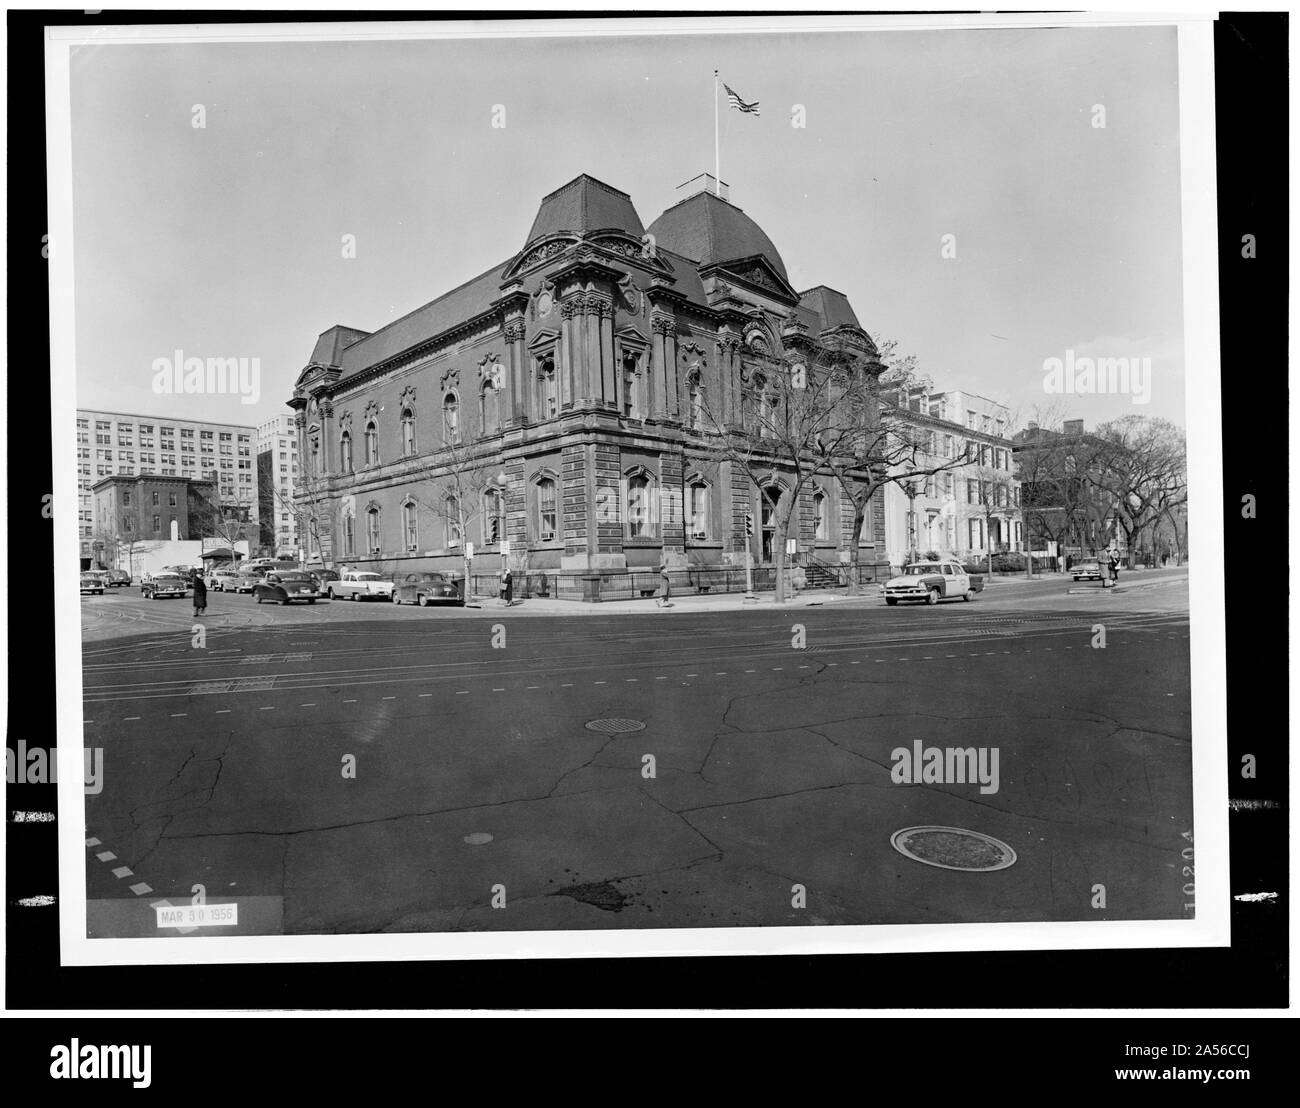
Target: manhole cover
column 615, row 726
column 953, row 848
column 478, row 838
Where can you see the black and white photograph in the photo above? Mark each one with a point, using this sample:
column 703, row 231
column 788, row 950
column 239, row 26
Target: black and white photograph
column 628, row 488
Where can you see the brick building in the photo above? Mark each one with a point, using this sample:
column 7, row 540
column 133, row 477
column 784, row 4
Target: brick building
column 568, row 401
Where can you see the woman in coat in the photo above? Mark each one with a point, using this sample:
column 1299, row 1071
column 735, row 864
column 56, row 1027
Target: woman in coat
column 200, row 594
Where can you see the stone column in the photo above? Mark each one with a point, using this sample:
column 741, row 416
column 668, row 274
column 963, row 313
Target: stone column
column 328, row 448
column 672, row 384
column 571, row 318
column 660, row 371
column 518, row 377
column 611, row 383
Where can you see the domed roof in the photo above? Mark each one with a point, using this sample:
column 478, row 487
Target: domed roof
column 708, row 229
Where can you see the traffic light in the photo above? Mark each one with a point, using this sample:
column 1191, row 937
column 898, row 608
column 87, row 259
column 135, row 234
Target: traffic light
column 749, row 524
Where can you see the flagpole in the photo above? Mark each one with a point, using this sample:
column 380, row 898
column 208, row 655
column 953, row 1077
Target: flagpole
column 717, row 156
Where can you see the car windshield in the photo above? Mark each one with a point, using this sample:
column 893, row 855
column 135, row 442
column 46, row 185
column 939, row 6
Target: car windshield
column 295, row 577
column 917, row 571
column 166, row 577
column 366, row 576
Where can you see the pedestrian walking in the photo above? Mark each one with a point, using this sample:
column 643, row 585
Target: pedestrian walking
column 1060, row 563
column 200, row 595
column 665, row 598
column 507, row 586
column 1114, row 568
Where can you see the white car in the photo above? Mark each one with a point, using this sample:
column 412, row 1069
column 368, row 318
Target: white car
column 932, row 582
column 360, row 585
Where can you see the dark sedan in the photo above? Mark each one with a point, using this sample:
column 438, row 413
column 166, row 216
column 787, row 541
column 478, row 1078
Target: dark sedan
column 284, row 587
column 425, row 589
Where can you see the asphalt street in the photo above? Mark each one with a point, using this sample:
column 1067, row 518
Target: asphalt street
column 360, row 767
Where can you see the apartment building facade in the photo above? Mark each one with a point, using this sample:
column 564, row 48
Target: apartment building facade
column 277, row 477
column 972, row 508
column 120, row 444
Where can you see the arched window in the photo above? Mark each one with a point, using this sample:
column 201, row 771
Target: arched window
column 373, row 542
column 640, row 504
column 451, row 416
column 697, row 510
column 547, row 392
column 821, row 515
column 410, row 525
column 454, row 531
column 546, row 510
column 408, row 433
column 494, row 516
column 345, row 452
column 349, row 534
column 372, row 444
column 695, row 390
column 487, row 408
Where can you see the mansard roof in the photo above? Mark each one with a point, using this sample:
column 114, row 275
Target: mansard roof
column 830, row 306
column 712, row 231
column 701, row 231
column 582, row 206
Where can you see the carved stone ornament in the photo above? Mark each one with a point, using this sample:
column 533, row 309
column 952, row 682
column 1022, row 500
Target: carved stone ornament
column 371, row 410
column 515, row 330
column 345, row 421
column 542, row 253
column 449, row 380
column 662, row 324
column 407, row 397
column 573, row 306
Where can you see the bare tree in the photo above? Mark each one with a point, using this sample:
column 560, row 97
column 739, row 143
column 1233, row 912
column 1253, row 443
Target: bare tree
column 885, row 446
column 456, row 479
column 1143, row 471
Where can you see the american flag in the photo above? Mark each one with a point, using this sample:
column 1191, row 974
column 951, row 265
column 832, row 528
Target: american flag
column 737, row 102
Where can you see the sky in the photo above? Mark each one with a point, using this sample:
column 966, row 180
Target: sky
column 226, row 240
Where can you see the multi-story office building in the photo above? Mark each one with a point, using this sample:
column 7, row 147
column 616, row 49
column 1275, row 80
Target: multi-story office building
column 576, row 393
column 971, row 508
column 277, row 476
column 117, row 444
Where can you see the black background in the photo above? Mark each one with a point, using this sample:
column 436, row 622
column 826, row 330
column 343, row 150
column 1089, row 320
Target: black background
column 1252, row 114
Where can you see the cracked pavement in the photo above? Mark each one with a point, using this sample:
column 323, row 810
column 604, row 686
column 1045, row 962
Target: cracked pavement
column 475, row 771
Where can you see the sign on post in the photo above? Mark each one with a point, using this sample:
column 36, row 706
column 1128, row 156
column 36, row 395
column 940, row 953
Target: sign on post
column 505, row 548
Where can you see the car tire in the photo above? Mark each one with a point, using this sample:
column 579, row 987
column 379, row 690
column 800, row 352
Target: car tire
column 932, row 597
column 285, row 602
column 329, row 593
column 891, row 600
column 257, row 597
column 422, row 600
column 353, row 596
column 396, row 599
column 969, row 595
column 311, row 600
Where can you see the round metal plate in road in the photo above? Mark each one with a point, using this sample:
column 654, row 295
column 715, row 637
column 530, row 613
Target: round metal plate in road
column 953, row 848
column 615, row 726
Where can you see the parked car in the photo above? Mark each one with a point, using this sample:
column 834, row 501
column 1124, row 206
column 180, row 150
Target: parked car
column 284, row 587
column 427, row 588
column 219, row 579
column 243, row 579
column 323, row 576
column 932, row 582
column 92, row 583
column 157, row 585
column 360, row 585
column 1086, row 571
column 118, row 578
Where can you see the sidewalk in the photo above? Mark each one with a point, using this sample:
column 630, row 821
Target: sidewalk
column 686, row 602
